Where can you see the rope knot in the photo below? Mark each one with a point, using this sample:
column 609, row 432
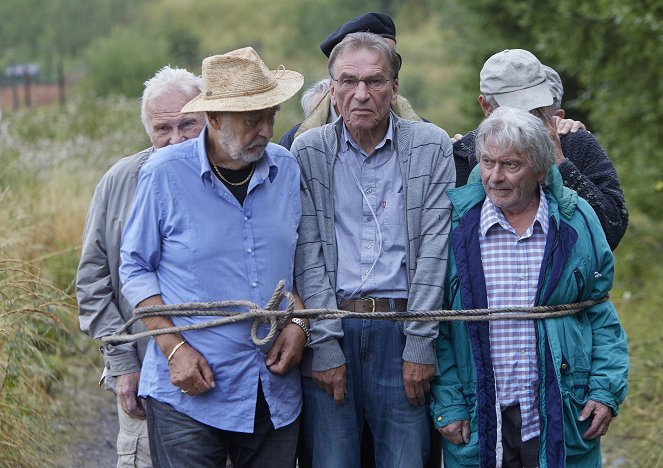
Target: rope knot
column 265, row 317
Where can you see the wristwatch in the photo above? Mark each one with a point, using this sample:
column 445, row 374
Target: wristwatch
column 302, row 324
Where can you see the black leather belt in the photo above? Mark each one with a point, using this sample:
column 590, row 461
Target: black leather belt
column 370, row 304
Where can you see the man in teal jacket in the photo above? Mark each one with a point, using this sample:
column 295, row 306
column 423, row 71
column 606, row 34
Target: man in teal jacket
column 526, row 392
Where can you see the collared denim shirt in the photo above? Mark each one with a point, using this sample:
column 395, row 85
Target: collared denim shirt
column 370, row 227
column 189, row 240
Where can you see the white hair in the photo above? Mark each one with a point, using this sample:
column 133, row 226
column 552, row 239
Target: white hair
column 168, row 80
column 507, row 128
column 319, row 88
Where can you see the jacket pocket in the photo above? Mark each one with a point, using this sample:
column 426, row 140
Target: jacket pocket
column 466, row 454
column 575, row 445
column 462, row 454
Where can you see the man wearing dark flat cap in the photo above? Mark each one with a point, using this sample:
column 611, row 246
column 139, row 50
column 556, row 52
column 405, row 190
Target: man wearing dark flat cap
column 215, row 219
column 373, row 238
column 326, row 111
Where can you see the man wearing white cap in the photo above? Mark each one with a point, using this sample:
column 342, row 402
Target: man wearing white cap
column 216, row 218
column 516, row 78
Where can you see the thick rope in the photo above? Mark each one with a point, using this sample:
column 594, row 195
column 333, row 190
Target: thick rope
column 278, row 318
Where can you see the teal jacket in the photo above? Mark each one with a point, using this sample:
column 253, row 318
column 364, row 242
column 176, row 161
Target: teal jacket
column 581, row 357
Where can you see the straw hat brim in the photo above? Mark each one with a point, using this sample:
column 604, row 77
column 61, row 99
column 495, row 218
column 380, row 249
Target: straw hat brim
column 287, row 84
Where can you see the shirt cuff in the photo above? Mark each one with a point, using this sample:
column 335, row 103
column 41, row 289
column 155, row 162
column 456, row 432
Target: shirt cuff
column 419, row 349
column 140, row 288
column 327, row 355
column 122, row 364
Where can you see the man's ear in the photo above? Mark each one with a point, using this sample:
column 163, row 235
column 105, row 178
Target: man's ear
column 541, row 176
column 395, row 91
column 559, row 113
column 485, row 107
column 214, row 119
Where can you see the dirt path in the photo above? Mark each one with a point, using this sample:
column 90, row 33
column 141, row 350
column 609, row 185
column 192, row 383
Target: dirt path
column 86, row 418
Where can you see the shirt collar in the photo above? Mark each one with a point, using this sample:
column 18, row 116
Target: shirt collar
column 491, row 215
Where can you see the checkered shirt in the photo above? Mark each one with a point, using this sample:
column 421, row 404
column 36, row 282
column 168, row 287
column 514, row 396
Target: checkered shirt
column 511, row 266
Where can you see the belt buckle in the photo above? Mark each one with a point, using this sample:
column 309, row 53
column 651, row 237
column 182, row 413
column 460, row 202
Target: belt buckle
column 372, row 299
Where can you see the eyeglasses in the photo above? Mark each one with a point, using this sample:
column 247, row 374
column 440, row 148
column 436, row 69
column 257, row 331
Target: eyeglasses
column 373, row 83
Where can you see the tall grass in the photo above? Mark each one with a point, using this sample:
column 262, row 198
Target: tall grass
column 31, row 330
column 51, row 159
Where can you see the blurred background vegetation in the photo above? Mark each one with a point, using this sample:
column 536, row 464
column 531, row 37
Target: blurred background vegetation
column 608, row 52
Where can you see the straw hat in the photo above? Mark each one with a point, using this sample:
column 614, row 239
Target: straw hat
column 240, row 81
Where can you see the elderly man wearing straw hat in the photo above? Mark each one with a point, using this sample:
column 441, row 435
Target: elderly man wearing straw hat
column 216, row 218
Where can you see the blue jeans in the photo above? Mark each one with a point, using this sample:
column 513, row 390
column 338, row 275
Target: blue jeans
column 178, row 440
column 374, row 393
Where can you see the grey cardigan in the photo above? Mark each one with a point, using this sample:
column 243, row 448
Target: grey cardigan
column 427, row 169
column 101, row 307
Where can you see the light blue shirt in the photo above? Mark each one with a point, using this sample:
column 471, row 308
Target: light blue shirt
column 189, row 240
column 370, row 230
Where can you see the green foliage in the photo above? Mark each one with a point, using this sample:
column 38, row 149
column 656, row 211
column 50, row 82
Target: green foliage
column 50, row 31
column 634, row 435
column 121, row 62
column 610, row 52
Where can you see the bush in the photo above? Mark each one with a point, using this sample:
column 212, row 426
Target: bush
column 121, row 62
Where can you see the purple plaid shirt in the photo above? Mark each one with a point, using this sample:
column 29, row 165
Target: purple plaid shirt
column 511, row 267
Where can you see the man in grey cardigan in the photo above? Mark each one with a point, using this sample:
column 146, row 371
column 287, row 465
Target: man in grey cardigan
column 102, row 308
column 373, row 237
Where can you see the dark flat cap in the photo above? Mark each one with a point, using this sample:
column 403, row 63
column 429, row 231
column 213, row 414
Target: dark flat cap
column 376, row 23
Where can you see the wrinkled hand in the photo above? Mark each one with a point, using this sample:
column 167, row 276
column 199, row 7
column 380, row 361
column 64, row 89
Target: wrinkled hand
column 565, row 126
column 332, row 381
column 601, row 418
column 457, row 432
column 190, row 371
column 416, row 379
column 286, row 352
column 126, row 389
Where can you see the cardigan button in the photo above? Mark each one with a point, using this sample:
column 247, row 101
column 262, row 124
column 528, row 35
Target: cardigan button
column 439, row 419
column 564, row 366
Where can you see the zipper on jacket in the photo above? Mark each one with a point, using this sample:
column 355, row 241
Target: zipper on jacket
column 580, row 283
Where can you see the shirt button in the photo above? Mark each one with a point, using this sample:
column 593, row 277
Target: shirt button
column 249, row 250
column 369, row 190
column 368, row 246
column 254, row 284
column 246, row 218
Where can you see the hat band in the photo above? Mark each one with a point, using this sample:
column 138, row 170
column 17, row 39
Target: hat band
column 240, row 92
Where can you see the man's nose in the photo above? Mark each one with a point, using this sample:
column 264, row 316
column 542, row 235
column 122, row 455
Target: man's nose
column 176, row 136
column 361, row 92
column 266, row 129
